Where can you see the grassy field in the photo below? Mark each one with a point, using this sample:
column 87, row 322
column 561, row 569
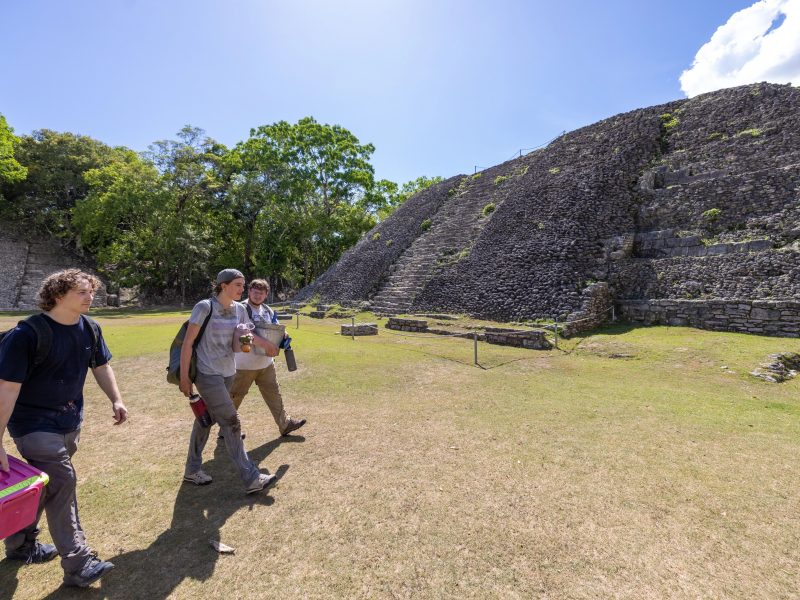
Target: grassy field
column 628, row 464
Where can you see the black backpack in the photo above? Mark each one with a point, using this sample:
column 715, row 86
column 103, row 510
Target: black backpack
column 44, row 338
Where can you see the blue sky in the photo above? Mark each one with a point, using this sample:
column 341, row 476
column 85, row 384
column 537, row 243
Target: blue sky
column 437, row 86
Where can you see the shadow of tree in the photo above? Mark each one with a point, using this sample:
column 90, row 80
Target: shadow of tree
column 182, row 551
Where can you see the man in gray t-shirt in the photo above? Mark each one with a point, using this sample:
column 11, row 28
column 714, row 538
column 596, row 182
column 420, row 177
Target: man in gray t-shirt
column 214, row 352
column 215, row 371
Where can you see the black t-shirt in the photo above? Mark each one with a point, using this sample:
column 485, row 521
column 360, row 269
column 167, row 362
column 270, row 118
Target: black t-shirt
column 51, row 396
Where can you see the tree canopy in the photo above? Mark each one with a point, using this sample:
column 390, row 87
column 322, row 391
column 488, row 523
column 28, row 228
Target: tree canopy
column 284, row 203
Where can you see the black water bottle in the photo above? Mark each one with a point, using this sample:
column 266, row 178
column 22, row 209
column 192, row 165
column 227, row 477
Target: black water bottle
column 291, row 364
column 288, row 353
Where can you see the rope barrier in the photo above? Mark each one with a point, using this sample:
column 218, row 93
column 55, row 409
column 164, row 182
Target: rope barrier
column 466, row 335
column 518, row 153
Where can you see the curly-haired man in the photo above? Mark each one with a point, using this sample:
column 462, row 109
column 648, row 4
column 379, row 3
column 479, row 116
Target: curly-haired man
column 41, row 403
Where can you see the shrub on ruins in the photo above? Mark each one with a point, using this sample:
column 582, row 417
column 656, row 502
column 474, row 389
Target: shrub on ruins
column 753, row 132
column 711, row 215
column 488, row 209
column 669, row 121
column 425, row 225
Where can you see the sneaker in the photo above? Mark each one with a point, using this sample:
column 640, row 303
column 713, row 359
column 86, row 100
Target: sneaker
column 260, row 483
column 293, row 424
column 33, row 552
column 199, row 477
column 92, row 570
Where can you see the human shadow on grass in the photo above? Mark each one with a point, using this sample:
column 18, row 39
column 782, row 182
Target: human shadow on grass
column 8, row 576
column 183, row 551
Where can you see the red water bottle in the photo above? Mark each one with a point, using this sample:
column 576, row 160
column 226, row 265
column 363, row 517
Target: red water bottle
column 200, row 411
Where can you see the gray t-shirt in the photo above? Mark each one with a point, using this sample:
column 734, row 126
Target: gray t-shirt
column 214, row 352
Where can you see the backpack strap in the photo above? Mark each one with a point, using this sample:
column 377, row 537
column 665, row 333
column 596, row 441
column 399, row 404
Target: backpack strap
column 249, row 310
column 204, row 325
column 44, row 338
column 94, row 329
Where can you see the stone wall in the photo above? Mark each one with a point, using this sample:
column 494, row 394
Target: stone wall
column 594, row 312
column 25, row 261
column 767, row 317
column 13, row 256
column 359, row 330
column 415, row 325
column 534, row 339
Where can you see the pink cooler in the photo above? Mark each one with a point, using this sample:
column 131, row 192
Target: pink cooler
column 20, row 490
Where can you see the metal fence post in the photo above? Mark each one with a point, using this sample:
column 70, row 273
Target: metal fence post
column 298, row 320
column 555, row 331
column 353, row 326
column 475, row 342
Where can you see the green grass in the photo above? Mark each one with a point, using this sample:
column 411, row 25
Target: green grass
column 626, row 464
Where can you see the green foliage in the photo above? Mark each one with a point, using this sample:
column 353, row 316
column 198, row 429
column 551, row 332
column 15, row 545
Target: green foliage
column 554, row 170
column 488, row 209
column 715, row 136
column 669, row 121
column 283, row 204
column 711, row 215
column 376, row 236
column 10, row 170
column 425, row 225
column 500, row 179
column 303, row 194
column 477, row 175
column 388, row 243
column 56, row 164
column 393, row 197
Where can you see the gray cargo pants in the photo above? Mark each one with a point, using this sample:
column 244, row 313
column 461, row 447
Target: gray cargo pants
column 215, row 390
column 52, row 453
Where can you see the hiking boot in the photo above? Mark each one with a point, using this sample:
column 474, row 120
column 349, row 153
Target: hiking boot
column 199, row 477
column 293, row 424
column 33, row 552
column 92, row 570
column 260, row 483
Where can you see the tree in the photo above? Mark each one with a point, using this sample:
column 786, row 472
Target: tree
column 56, row 163
column 328, row 191
column 391, row 198
column 10, row 170
column 303, row 193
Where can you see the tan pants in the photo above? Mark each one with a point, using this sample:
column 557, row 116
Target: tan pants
column 268, row 386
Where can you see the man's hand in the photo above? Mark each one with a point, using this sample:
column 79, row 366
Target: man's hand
column 120, row 412
column 9, row 390
column 186, row 386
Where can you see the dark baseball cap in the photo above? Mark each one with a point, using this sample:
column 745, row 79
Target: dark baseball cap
column 228, row 275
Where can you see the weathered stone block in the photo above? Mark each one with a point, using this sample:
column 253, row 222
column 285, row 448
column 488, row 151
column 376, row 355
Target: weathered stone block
column 359, row 330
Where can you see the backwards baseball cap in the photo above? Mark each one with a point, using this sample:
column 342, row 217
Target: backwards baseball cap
column 228, row 275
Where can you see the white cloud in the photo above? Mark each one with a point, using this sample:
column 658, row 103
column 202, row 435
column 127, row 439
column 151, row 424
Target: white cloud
column 749, row 48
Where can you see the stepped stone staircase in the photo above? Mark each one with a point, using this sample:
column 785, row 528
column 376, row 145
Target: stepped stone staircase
column 453, row 230
column 25, row 264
